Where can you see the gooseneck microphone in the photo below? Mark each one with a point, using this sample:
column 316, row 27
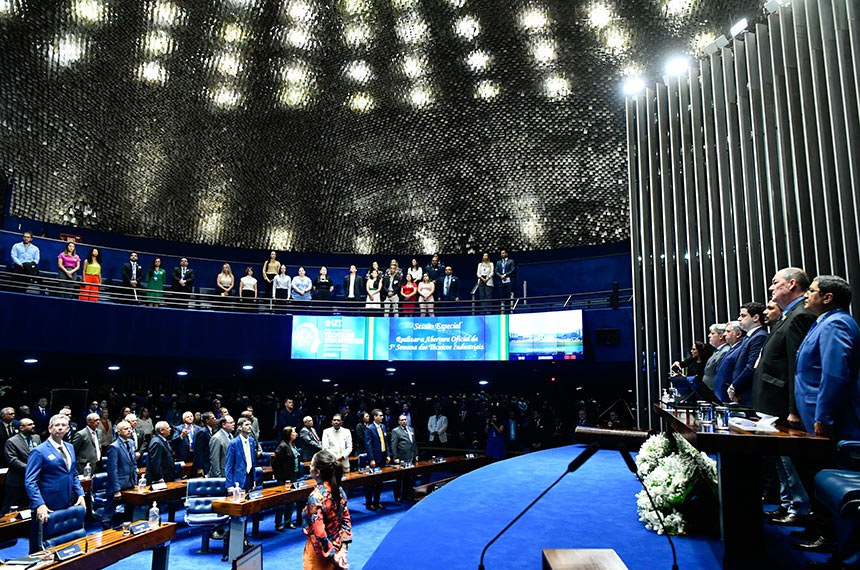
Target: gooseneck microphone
column 577, row 462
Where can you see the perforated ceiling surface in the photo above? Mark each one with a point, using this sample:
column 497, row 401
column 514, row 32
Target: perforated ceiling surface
column 364, row 126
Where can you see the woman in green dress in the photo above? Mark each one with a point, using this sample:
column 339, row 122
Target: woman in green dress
column 155, row 283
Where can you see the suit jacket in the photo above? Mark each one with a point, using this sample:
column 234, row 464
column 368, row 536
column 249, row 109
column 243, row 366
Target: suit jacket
column 201, row 450
column 745, row 368
column 16, row 452
column 358, row 288
column 827, row 385
column 773, row 381
column 453, row 288
column 373, row 445
column 182, row 445
column 218, row 453
column 711, row 365
column 237, row 469
column 436, row 272
column 127, row 276
column 40, row 419
column 440, row 426
column 508, row 268
column 121, row 466
column 177, row 277
column 725, row 371
column 284, row 463
column 49, row 481
column 395, row 281
column 403, row 447
column 85, row 450
column 159, row 462
column 4, row 437
column 309, row 444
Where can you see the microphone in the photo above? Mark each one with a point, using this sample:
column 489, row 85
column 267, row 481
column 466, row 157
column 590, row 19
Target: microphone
column 577, row 462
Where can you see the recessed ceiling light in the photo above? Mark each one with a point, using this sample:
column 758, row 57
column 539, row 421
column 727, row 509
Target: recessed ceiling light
column 248, row 367
column 391, row 369
column 182, row 373
column 113, row 367
column 31, row 360
column 326, row 380
column 483, row 382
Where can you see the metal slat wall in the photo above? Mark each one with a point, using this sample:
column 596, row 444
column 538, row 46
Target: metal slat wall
column 746, row 164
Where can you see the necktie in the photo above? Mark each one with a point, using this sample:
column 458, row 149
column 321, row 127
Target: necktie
column 128, row 448
column 65, row 455
column 447, row 283
column 183, row 273
column 29, row 442
column 409, row 433
column 134, row 271
column 314, row 433
column 381, row 437
column 98, row 447
column 247, row 446
column 9, row 430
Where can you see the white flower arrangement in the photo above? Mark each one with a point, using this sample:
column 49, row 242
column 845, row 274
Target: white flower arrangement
column 672, row 470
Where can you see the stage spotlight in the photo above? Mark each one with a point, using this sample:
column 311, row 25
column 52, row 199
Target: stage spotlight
column 31, row 360
column 677, row 66
column 182, row 373
column 739, row 27
column 248, row 367
column 717, row 45
column 113, row 368
column 634, row 85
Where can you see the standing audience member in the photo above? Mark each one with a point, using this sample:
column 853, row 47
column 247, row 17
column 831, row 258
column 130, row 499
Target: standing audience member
column 506, row 271
column 726, row 368
column 374, row 287
column 434, row 270
column 92, row 276
column 425, row 295
column 25, row 256
column 132, row 275
column 155, row 279
column 404, row 449
column 8, row 428
column 241, row 457
column 415, row 271
column 360, row 427
column 311, row 442
column 392, row 281
column 437, row 426
column 288, row 416
column 15, row 453
column 218, row 446
column 159, row 462
column 287, row 467
column 183, row 282
column 353, row 289
column 326, row 520
column 225, row 280
column 248, row 287
column 337, row 440
column 323, row 287
column 495, row 438
column 87, row 444
column 69, row 262
column 378, row 454
column 450, row 285
column 271, row 268
column 409, row 292
column 121, row 471
column 717, row 340
column 485, row 281
column 750, row 319
column 281, row 285
column 202, row 464
column 302, row 286
column 51, row 479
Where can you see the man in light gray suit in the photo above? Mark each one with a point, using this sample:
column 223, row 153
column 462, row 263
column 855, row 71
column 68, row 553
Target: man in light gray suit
column 16, row 452
column 218, row 446
column 403, row 449
column 87, row 445
column 717, row 339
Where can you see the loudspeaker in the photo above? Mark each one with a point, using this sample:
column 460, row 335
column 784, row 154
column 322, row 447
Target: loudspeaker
column 607, row 337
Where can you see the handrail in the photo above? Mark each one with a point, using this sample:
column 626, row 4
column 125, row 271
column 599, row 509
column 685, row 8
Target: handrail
column 202, row 300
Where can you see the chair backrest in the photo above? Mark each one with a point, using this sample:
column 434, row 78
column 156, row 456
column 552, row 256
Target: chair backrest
column 258, row 476
column 99, row 484
column 207, row 487
column 362, row 460
column 62, row 526
column 142, row 462
column 269, row 446
column 177, row 469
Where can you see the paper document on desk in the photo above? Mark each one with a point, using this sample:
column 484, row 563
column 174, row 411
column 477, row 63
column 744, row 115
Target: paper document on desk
column 765, row 423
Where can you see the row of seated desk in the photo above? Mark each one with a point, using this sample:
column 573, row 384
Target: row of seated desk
column 739, row 476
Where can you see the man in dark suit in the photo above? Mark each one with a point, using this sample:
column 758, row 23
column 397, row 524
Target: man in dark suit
column 121, row 471
column 218, row 446
column 377, row 446
column 159, row 462
column 51, row 479
column 87, row 446
column 41, row 414
column 354, row 289
column 751, row 319
column 448, row 286
column 403, row 449
column 392, row 280
column 241, row 457
column 725, row 369
column 773, row 383
column 132, row 274
column 202, row 464
column 8, row 428
column 435, row 270
column 506, row 272
column 287, row 416
column 311, row 443
column 15, row 452
column 183, row 282
column 183, row 438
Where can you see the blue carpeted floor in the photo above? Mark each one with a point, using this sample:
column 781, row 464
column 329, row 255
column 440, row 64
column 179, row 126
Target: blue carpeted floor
column 592, row 508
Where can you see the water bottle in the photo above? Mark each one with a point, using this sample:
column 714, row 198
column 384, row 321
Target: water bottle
column 154, row 515
column 141, row 484
column 236, row 491
column 88, row 471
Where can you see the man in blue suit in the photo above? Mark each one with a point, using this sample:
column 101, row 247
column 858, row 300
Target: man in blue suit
column 51, row 479
column 725, row 369
column 121, row 471
column 241, row 457
column 827, row 392
column 378, row 454
column 751, row 319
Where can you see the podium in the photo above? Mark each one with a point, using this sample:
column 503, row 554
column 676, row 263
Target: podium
column 581, row 559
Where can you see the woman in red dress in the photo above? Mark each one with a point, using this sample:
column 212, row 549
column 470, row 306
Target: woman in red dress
column 409, row 292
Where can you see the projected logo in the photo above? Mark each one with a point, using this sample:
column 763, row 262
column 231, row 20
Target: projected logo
column 328, row 338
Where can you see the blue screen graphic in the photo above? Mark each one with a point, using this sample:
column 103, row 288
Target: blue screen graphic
column 546, row 336
column 440, row 338
column 329, row 338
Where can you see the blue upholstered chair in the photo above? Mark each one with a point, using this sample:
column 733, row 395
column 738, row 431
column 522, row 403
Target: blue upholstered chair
column 839, row 491
column 198, row 505
column 98, row 494
column 269, row 446
column 62, row 526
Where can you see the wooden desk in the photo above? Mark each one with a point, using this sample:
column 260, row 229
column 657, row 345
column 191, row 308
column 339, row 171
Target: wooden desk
column 142, row 501
column 278, row 496
column 739, row 476
column 11, row 527
column 581, row 559
column 108, row 547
